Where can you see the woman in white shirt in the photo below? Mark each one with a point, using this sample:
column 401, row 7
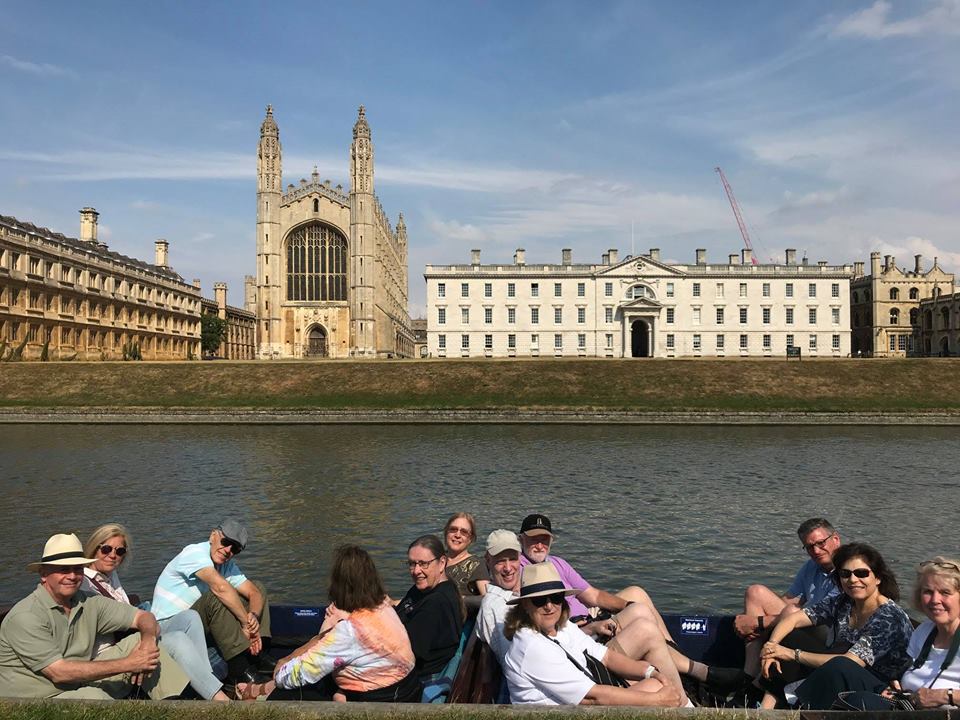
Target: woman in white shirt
column 547, row 661
column 110, row 545
column 934, row 679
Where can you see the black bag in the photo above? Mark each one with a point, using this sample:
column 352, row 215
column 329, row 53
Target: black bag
column 594, row 669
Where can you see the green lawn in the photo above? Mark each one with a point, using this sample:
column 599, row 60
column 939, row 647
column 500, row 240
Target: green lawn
column 649, row 385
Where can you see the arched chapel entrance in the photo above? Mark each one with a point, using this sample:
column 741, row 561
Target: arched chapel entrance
column 639, row 338
column 317, row 342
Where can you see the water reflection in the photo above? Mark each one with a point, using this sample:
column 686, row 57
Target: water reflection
column 690, row 513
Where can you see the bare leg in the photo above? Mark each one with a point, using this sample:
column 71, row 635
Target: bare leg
column 641, row 640
column 639, row 596
column 759, row 600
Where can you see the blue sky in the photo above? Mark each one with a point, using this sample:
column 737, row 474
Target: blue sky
column 496, row 125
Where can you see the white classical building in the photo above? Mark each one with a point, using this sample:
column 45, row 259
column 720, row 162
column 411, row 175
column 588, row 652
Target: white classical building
column 638, row 307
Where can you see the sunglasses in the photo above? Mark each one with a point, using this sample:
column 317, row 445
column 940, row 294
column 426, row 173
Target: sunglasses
column 454, row 530
column 107, row 549
column 859, row 572
column 235, row 547
column 940, row 564
column 541, row 600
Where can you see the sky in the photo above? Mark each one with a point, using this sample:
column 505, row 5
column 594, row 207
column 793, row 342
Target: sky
column 496, row 125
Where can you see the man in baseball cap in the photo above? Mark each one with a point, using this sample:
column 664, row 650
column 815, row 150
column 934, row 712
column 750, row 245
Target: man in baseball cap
column 48, row 638
column 503, row 566
column 204, row 577
column 629, row 605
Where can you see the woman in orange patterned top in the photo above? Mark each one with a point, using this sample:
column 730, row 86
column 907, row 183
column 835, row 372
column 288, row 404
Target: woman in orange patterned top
column 362, row 651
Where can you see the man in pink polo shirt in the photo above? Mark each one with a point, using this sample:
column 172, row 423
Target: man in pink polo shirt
column 536, row 537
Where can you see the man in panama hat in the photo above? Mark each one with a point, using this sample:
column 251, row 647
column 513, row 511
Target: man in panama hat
column 48, row 638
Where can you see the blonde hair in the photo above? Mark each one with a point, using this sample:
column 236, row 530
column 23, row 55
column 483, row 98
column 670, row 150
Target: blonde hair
column 462, row 516
column 943, row 567
column 104, row 533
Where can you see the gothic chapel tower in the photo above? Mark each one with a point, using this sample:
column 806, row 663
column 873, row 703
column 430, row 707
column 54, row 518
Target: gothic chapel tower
column 269, row 187
column 363, row 268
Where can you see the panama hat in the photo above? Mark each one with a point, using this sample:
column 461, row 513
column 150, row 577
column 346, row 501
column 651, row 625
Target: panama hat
column 62, row 549
column 540, row 579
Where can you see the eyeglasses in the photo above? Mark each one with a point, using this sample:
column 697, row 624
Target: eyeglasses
column 859, row 572
column 235, row 547
column 940, row 564
column 541, row 600
column 420, row 564
column 453, row 530
column 818, row 545
column 107, row 549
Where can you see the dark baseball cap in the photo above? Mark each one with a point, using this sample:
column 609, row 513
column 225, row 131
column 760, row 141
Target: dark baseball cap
column 536, row 525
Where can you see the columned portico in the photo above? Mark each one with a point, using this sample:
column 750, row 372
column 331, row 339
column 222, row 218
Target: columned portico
column 638, row 322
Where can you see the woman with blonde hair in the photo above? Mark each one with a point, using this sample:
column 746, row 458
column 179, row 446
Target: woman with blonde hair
column 110, row 545
column 468, row 572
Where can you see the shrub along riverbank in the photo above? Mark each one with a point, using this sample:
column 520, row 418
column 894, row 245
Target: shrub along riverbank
column 902, row 386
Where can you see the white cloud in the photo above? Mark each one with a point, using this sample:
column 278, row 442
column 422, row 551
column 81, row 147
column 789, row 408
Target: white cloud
column 941, row 17
column 144, row 205
column 32, row 68
column 456, row 231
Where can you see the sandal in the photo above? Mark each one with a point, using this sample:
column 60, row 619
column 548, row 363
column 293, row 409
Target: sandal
column 247, row 692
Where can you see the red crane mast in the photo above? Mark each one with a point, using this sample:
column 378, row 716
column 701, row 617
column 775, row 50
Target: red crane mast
column 737, row 214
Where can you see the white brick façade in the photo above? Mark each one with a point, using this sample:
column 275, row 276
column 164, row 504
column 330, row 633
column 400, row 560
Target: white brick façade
column 637, row 307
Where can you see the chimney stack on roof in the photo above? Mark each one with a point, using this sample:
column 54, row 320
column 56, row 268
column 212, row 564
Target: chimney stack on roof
column 858, row 268
column 614, row 256
column 791, row 256
column 161, row 254
column 566, row 256
column 701, row 256
column 733, row 259
column 605, row 259
column 474, row 257
column 88, row 224
column 520, row 257
column 747, row 256
column 655, row 254
column 196, row 283
column 917, row 262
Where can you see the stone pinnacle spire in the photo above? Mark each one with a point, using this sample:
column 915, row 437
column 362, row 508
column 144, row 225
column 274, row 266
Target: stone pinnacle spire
column 361, row 128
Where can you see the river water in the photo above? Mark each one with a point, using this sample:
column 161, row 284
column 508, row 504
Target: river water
column 692, row 514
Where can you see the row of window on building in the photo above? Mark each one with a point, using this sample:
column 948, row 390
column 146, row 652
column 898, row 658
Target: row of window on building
column 78, row 337
column 766, row 341
column 608, row 315
column 75, row 276
column 669, row 291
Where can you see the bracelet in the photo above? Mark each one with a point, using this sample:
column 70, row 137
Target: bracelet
column 648, row 673
column 796, row 654
column 950, row 697
column 760, row 623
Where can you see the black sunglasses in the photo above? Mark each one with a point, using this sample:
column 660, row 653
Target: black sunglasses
column 235, row 547
column 541, row 600
column 859, row 572
column 107, row 549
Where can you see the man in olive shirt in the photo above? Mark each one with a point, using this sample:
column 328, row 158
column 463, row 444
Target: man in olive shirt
column 48, row 638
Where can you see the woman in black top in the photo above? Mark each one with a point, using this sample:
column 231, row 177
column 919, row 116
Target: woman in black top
column 432, row 610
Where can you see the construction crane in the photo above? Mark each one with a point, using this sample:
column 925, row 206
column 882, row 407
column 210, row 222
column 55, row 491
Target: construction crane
column 737, row 214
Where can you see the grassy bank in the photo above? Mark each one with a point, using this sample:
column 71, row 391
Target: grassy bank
column 136, row 710
column 652, row 385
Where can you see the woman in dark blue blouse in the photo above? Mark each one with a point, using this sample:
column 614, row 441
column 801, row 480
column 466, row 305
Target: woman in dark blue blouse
column 870, row 630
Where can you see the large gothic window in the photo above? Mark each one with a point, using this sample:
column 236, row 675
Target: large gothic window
column 316, row 264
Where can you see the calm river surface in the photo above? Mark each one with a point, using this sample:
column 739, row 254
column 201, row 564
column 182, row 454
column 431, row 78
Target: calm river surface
column 692, row 514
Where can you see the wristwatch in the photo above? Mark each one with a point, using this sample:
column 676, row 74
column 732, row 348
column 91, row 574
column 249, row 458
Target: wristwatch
column 648, row 673
column 950, row 697
column 796, row 654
